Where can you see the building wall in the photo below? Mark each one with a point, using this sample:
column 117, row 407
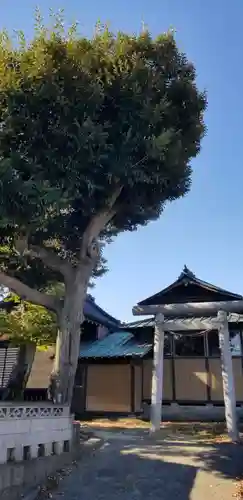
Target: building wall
column 215, row 380
column 190, row 379
column 41, row 369
column 216, row 383
column 147, row 374
column 237, row 368
column 138, row 373
column 108, row 388
column 167, row 379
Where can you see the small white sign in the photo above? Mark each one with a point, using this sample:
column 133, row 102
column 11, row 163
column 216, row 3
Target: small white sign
column 235, row 344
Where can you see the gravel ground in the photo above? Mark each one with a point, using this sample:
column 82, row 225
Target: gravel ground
column 133, row 466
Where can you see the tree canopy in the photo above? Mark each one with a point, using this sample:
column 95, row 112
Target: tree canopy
column 23, row 322
column 88, row 126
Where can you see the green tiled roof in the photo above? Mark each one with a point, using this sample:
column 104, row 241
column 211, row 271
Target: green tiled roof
column 116, row 345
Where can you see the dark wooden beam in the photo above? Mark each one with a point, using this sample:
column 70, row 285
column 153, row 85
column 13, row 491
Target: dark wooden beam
column 132, row 393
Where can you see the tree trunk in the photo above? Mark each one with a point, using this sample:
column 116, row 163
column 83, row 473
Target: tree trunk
column 68, row 341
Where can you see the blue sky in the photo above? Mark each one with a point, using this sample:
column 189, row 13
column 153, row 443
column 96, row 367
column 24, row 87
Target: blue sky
column 204, row 230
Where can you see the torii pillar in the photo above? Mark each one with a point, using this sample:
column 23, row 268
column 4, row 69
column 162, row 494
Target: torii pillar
column 157, row 373
column 227, row 376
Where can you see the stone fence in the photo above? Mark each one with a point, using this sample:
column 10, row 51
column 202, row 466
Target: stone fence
column 36, row 440
column 33, row 430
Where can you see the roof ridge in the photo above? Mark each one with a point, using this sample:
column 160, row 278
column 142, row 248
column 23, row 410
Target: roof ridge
column 187, row 276
column 91, row 299
column 186, row 272
column 214, row 287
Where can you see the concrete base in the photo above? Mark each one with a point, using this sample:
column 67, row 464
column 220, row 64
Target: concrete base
column 15, row 479
column 180, row 413
column 21, row 480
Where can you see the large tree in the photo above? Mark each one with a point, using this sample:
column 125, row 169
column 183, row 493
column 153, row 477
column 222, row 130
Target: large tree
column 96, row 136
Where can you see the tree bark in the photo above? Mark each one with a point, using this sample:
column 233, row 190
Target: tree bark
column 26, row 293
column 68, row 339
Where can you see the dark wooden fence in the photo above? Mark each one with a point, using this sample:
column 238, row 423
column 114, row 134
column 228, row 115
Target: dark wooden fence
column 31, row 395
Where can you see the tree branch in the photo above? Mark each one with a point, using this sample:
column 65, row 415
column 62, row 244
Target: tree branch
column 98, row 222
column 30, row 294
column 48, row 257
column 52, row 260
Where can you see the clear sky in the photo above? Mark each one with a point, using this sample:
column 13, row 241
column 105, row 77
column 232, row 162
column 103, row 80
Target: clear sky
column 204, row 230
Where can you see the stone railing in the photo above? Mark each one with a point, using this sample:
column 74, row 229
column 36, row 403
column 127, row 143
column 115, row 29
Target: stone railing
column 33, row 430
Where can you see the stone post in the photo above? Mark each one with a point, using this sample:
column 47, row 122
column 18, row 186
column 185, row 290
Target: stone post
column 227, row 376
column 157, row 373
column 58, row 447
column 48, row 449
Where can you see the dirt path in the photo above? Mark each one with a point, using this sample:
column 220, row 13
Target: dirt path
column 132, row 466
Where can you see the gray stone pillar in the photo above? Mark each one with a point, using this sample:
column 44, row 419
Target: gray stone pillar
column 34, row 451
column 157, row 373
column 48, row 449
column 58, row 447
column 227, row 376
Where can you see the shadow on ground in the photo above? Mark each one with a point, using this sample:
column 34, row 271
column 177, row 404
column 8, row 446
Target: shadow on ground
column 114, row 474
column 138, row 467
column 223, row 459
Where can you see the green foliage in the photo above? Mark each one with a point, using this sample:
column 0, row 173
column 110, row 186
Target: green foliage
column 28, row 323
column 79, row 117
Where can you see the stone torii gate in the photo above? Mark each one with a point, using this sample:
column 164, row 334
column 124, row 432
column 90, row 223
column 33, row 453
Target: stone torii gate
column 220, row 322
